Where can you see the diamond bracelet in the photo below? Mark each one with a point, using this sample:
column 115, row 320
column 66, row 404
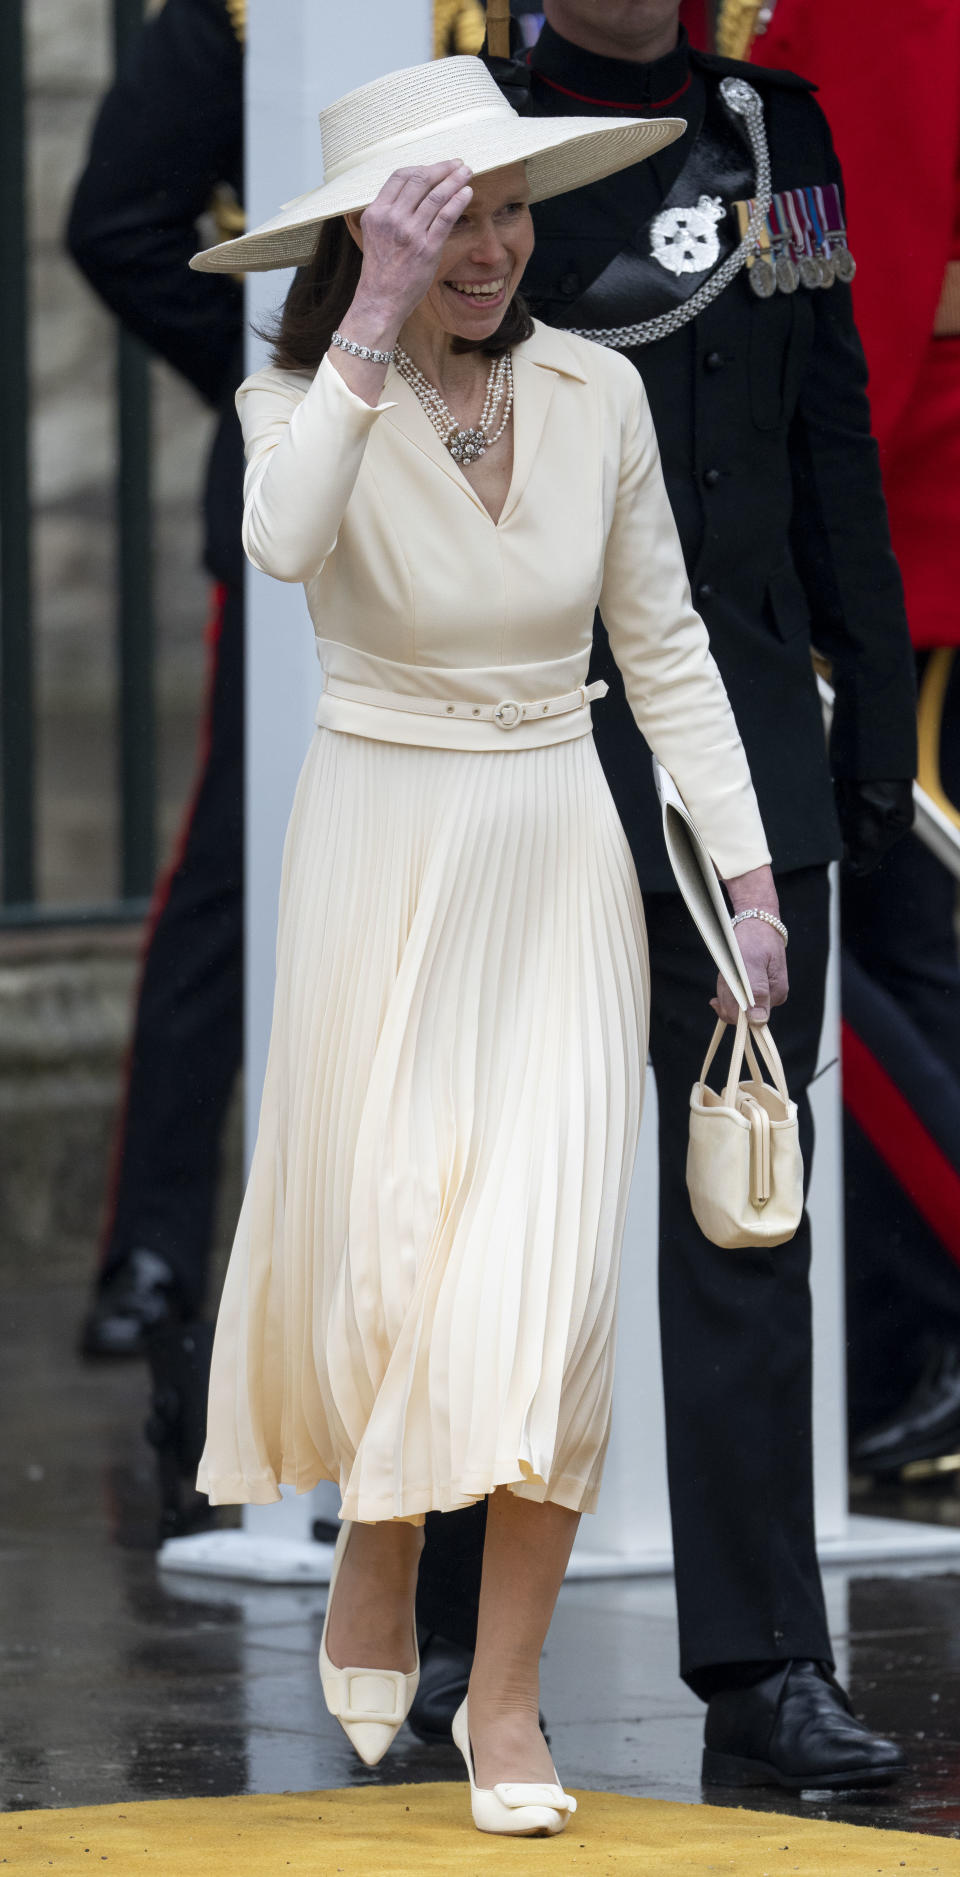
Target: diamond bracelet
column 361, row 351
column 757, row 912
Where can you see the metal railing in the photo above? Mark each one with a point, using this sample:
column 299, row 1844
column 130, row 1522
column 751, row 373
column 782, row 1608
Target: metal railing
column 134, row 642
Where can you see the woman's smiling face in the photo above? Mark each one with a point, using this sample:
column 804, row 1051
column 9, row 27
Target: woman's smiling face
column 483, row 257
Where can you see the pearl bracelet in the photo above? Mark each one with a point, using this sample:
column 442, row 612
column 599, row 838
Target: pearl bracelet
column 757, row 912
column 361, row 351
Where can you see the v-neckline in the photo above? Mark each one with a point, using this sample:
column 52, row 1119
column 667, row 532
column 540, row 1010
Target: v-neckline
column 496, row 520
column 533, row 389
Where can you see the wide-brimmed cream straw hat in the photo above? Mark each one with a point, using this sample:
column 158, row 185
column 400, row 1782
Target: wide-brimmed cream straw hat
column 429, row 114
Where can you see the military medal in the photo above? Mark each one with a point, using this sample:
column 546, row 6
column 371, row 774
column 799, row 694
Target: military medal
column 831, row 210
column 761, row 272
column 825, row 268
column 795, row 211
column 763, row 279
column 787, row 271
column 804, row 242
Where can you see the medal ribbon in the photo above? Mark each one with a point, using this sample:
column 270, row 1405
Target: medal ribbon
column 809, row 196
column 788, row 199
column 766, row 236
column 803, row 224
column 828, row 232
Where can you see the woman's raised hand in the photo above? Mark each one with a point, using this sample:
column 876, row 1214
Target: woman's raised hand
column 403, row 231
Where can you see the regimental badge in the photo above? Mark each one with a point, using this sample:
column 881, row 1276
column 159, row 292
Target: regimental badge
column 685, row 241
column 804, row 242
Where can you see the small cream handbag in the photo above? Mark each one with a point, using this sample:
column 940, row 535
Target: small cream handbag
column 744, row 1166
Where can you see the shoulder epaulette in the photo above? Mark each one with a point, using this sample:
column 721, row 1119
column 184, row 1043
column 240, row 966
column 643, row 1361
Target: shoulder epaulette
column 760, row 75
column 237, row 10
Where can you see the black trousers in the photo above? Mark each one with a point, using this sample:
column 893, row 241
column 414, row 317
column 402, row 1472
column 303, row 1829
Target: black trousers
column 900, row 924
column 737, row 1350
column 903, row 1286
column 188, row 1036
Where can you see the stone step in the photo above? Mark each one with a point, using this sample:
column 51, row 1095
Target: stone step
column 66, row 1006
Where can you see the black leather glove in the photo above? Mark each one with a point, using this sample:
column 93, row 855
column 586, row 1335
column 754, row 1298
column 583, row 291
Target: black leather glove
column 873, row 815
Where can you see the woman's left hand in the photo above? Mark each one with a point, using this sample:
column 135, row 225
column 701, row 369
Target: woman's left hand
column 761, row 946
column 766, row 961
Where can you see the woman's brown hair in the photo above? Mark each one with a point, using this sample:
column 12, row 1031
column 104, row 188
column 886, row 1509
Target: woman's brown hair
column 323, row 289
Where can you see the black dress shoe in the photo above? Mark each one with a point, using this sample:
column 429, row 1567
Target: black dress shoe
column 138, row 1296
column 444, row 1674
column 925, row 1427
column 795, row 1728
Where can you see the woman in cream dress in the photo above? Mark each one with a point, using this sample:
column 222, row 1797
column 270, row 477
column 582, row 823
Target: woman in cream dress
column 421, row 1299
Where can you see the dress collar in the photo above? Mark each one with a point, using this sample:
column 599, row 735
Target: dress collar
column 555, row 354
column 552, row 349
column 611, row 84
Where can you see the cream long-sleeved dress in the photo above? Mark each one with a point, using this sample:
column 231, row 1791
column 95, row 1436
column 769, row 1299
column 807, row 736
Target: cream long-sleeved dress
column 421, row 1298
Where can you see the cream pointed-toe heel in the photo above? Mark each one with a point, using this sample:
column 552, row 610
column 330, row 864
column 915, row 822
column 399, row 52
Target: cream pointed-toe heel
column 371, row 1704
column 518, row 1810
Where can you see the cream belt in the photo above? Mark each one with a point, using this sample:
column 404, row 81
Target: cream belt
column 506, row 715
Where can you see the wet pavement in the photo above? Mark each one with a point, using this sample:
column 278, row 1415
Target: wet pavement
column 117, row 1684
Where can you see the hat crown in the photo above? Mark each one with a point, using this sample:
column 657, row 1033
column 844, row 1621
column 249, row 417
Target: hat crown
column 406, row 106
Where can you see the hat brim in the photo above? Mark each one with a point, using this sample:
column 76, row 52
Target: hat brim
column 559, row 153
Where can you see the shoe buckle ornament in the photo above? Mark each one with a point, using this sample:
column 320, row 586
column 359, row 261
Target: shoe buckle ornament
column 365, row 1693
column 520, row 1795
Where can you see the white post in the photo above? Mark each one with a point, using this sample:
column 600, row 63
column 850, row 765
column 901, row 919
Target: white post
column 299, row 58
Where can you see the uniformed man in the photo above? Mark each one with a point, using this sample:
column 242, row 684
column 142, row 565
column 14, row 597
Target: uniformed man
column 901, row 970
column 167, row 143
column 719, row 267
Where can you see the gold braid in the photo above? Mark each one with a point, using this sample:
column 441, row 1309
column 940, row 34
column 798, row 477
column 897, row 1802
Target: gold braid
column 933, row 697
column 736, row 27
column 237, row 9
column 458, row 26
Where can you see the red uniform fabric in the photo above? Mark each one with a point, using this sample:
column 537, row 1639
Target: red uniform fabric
column 888, row 73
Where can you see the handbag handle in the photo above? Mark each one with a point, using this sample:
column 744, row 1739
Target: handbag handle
column 762, row 1035
column 747, row 1034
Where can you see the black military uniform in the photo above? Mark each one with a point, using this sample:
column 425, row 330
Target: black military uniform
column 764, row 431
column 169, row 133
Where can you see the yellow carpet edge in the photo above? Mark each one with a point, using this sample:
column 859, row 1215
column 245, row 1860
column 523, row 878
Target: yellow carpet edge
column 392, row 1831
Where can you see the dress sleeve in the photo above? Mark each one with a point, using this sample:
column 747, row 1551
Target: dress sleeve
column 662, row 648
column 304, row 451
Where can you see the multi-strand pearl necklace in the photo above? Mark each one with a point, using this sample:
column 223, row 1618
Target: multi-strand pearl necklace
column 465, row 446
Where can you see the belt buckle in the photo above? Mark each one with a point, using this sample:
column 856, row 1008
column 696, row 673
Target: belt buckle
column 500, row 717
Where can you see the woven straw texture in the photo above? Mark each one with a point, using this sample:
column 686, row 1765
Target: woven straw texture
column 429, row 114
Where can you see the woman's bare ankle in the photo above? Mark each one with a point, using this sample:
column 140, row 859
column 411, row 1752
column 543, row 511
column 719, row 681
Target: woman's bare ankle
column 372, row 1618
column 505, row 1736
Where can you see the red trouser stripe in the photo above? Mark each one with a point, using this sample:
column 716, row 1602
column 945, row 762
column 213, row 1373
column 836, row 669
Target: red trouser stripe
column 160, row 896
column 893, row 1129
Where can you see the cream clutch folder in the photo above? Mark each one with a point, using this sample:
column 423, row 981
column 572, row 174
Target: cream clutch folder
column 744, row 1166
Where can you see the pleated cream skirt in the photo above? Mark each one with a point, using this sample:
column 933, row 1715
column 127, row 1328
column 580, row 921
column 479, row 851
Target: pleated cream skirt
column 421, row 1297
